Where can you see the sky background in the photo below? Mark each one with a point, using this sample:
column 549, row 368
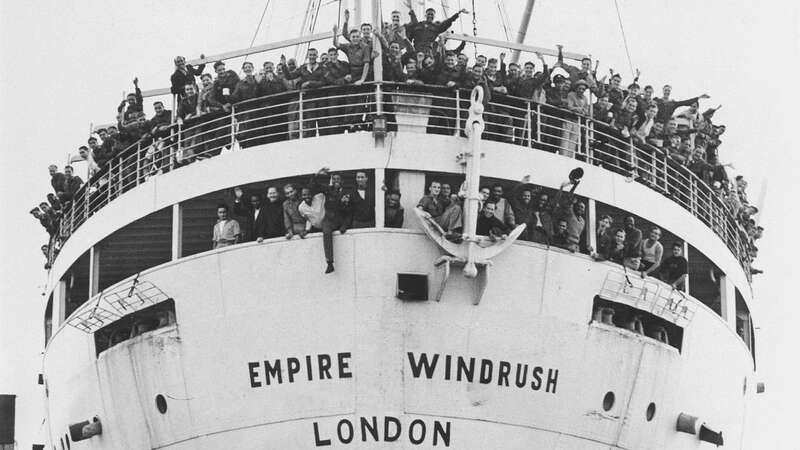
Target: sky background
column 66, row 63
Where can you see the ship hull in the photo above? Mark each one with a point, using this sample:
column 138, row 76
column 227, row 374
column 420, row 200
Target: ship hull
column 269, row 352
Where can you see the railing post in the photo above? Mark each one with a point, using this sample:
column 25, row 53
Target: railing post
column 458, row 112
column 138, row 165
column 632, row 151
column 72, row 216
column 538, row 122
column 233, row 125
column 300, row 115
column 666, row 175
column 173, row 155
column 378, row 100
column 693, row 196
column 528, row 124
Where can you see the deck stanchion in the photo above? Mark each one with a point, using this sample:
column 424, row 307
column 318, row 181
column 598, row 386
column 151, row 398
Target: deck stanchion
column 538, row 123
column 458, row 112
column 300, row 115
column 528, row 124
column 233, row 125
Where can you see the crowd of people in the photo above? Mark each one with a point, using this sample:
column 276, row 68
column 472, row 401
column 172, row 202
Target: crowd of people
column 415, row 53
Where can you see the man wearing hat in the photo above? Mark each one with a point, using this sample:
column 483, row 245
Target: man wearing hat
column 423, row 34
column 184, row 74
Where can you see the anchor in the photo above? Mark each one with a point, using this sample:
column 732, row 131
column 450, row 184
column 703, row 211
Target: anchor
column 473, row 252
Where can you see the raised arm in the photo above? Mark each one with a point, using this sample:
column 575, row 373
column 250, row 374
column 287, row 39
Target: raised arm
column 447, row 23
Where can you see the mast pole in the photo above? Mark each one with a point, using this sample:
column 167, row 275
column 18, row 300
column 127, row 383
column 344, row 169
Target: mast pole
column 523, row 28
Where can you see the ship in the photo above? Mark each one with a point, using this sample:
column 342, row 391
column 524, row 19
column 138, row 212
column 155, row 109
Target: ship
column 159, row 338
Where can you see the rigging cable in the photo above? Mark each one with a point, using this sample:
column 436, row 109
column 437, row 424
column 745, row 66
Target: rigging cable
column 475, row 28
column 258, row 27
column 624, row 38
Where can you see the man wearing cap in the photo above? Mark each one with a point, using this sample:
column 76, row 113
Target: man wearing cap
column 423, row 34
column 184, row 74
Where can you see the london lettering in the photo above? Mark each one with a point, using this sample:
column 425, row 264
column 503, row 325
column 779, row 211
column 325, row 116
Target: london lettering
column 484, row 371
column 368, row 429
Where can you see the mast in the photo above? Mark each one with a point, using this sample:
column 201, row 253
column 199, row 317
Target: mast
column 523, row 28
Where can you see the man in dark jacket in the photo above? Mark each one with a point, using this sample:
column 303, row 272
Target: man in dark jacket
column 362, row 202
column 423, row 34
column 224, row 84
column 337, row 209
column 184, row 74
column 57, row 179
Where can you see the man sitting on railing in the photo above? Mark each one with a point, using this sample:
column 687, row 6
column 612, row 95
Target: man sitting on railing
column 337, row 211
column 435, row 208
column 184, row 74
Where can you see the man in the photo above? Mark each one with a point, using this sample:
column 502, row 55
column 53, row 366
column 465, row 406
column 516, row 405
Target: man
column 489, row 225
column 252, row 212
column 358, row 51
column 362, row 203
column 633, row 244
column 226, row 231
column 71, row 185
column 571, row 211
column 614, row 249
column 503, row 211
column 667, row 106
column 184, row 74
column 674, row 268
column 293, row 220
column 652, row 251
column 273, row 215
column 57, row 179
column 523, row 207
column 395, row 32
column 337, row 209
column 434, row 208
column 312, row 208
column 224, row 84
column 44, row 220
column 394, row 215
column 584, row 72
column 560, row 237
column 423, row 34
column 162, row 118
column 541, row 226
column 602, row 236
column 132, row 105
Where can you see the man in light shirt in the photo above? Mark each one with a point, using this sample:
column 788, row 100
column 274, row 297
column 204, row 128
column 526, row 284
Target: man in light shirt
column 226, row 231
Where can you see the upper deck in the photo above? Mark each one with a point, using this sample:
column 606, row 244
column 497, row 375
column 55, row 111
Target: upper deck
column 395, row 109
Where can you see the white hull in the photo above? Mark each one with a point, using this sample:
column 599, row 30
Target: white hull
column 243, row 305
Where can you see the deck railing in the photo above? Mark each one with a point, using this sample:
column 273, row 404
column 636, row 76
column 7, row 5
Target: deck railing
column 406, row 108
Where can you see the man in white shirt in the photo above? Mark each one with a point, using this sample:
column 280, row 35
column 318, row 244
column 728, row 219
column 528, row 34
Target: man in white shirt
column 226, row 231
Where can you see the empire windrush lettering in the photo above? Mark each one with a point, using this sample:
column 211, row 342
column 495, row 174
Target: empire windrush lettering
column 366, row 429
column 484, row 371
column 310, row 368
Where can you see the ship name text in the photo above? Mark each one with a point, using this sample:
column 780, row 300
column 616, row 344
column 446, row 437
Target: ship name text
column 317, row 367
column 484, row 371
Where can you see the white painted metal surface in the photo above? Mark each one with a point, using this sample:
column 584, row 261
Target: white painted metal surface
column 232, row 316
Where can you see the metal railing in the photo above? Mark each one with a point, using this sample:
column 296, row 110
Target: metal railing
column 406, row 108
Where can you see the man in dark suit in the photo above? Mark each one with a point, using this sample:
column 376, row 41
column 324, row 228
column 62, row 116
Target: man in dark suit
column 362, row 203
column 252, row 213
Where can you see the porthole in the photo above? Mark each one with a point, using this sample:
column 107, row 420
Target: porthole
column 608, row 401
column 161, row 404
column 651, row 411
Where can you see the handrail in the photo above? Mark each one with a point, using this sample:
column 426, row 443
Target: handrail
column 328, row 110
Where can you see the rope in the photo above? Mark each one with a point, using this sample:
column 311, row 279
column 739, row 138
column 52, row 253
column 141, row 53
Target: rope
column 258, row 27
column 624, row 38
column 474, row 28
